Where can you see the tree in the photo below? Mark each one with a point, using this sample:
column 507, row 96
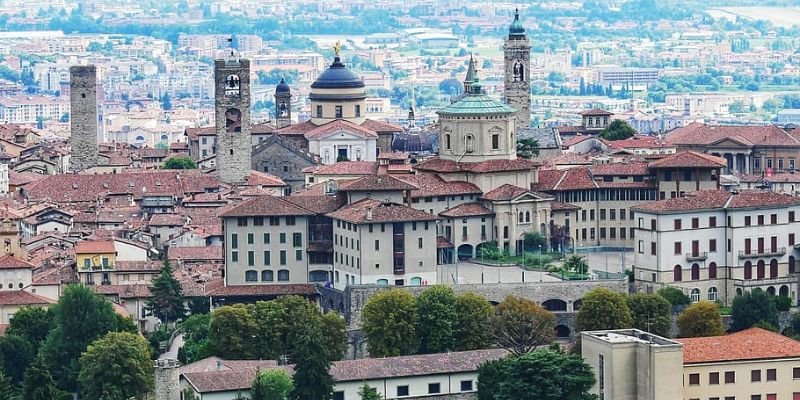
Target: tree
column 700, row 319
column 527, row 148
column 166, row 296
column 273, row 384
column 603, row 309
column 196, row 344
column 531, row 377
column 617, row 130
column 80, row 317
column 39, row 384
column 16, row 353
column 674, row 296
column 535, row 240
column 312, row 378
column 751, row 308
column 334, row 334
column 651, row 313
column 436, row 311
column 472, row 330
column 231, row 332
column 31, row 323
column 520, row 325
column 389, row 320
column 180, row 163
column 577, row 263
column 116, row 366
column 166, row 102
column 450, row 86
column 7, row 390
column 367, row 392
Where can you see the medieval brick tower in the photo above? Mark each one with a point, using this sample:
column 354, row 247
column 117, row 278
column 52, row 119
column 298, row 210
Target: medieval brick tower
column 232, row 109
column 283, row 105
column 517, row 92
column 83, row 117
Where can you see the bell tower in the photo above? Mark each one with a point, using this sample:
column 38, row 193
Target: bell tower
column 232, row 116
column 517, row 57
column 283, row 104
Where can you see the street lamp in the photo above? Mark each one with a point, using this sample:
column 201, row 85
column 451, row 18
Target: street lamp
column 541, row 267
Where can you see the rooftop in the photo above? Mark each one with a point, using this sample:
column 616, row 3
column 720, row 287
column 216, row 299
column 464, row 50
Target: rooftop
column 719, row 199
column 749, row 344
column 95, row 247
column 264, row 206
column 368, row 211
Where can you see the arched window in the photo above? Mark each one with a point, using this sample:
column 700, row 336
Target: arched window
column 268, row 276
column 784, row 291
column 739, row 291
column 695, row 295
column 251, row 276
column 555, row 305
column 527, row 216
column 771, row 290
column 562, row 331
column 469, row 143
column 677, row 274
column 505, row 232
column 695, row 272
column 521, row 217
column 576, row 305
column 383, row 282
column 712, row 294
column 712, row 270
column 447, row 141
column 416, row 281
column 792, row 265
column 761, row 270
column 773, row 268
column 283, row 275
column 748, row 270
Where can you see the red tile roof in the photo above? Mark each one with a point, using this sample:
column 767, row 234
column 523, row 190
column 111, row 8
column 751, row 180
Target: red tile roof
column 264, row 206
column 95, row 247
column 595, row 112
column 195, row 253
column 576, row 139
column 21, row 298
column 376, row 183
column 345, row 168
column 167, row 220
column 466, row 210
column 339, row 125
column 559, row 206
column 781, row 177
column 320, row 204
column 719, row 199
column 504, row 193
column 380, row 126
column 617, row 169
column 265, row 290
column 10, row 262
column 434, row 185
column 133, row 291
column 257, row 178
column 440, row 165
column 637, row 142
column 749, row 344
column 381, row 212
column 416, row 365
column 701, row 134
column 443, row 243
column 138, row 266
column 689, row 159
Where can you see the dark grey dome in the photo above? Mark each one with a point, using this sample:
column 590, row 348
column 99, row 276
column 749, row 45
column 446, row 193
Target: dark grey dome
column 282, row 87
column 337, row 77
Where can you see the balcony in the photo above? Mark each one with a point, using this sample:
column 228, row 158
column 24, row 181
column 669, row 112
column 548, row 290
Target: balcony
column 749, row 283
column 777, row 252
column 699, row 256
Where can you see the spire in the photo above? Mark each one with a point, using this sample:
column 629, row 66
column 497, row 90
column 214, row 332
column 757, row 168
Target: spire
column 472, row 76
column 516, row 30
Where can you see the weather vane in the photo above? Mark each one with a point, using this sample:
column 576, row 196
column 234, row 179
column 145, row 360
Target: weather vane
column 336, row 48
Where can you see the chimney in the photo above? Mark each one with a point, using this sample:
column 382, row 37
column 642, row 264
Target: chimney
column 369, row 213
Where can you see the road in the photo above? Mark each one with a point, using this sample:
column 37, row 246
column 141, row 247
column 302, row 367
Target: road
column 172, row 353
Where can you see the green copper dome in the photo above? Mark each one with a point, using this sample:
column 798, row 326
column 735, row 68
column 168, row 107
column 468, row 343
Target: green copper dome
column 516, row 29
column 476, row 104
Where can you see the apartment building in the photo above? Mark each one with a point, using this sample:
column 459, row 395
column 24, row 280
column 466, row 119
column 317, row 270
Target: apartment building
column 715, row 245
column 26, row 109
column 753, row 364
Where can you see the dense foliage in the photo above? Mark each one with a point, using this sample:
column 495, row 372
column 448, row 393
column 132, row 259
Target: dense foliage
column 520, row 325
column 700, row 319
column 751, row 308
column 651, row 313
column 116, row 366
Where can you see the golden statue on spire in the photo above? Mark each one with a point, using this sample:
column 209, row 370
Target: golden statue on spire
column 336, row 48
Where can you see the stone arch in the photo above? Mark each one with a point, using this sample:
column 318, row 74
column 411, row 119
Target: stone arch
column 555, row 305
column 576, row 305
column 465, row 251
column 739, row 291
column 562, row 331
column 771, row 290
column 783, row 291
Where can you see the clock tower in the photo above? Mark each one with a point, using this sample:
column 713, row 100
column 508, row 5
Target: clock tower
column 517, row 57
column 232, row 116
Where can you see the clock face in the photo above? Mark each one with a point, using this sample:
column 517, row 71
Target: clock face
column 233, row 120
column 232, row 85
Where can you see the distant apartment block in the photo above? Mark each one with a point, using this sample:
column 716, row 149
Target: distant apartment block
column 629, row 76
column 27, row 109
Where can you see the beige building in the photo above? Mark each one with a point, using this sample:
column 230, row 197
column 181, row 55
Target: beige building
column 753, row 364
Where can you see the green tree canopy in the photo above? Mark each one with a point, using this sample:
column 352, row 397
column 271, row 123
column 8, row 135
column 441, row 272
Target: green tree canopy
column 232, row 331
column 80, row 317
column 450, row 86
column 520, row 325
column 472, row 330
column 180, row 162
column 527, row 148
column 651, row 313
column 366, row 392
column 167, row 296
column 312, row 378
column 436, row 311
column 538, row 375
column 16, row 354
column 273, row 384
column 31, row 323
column 674, row 296
column 700, row 319
column 196, row 344
column 389, row 319
column 39, row 384
column 617, row 130
column 577, row 264
column 603, row 309
column 116, row 366
column 751, row 308
column 7, row 390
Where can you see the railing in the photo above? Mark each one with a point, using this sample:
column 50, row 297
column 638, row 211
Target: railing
column 763, row 282
column 699, row 256
column 764, row 253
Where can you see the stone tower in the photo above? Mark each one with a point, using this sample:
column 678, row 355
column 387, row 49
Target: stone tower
column 83, row 117
column 167, row 379
column 283, row 104
column 232, row 112
column 517, row 56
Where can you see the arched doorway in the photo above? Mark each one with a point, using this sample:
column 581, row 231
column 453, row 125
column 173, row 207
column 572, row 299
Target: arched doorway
column 554, row 305
column 783, row 291
column 748, row 270
column 677, row 273
column 576, row 305
column 773, row 268
column 771, row 290
column 562, row 331
column 738, row 291
column 465, row 251
column 712, row 270
column 760, row 270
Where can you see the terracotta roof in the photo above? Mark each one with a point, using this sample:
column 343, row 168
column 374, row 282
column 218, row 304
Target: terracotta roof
column 376, row 183
column 10, row 262
column 195, row 253
column 617, row 169
column 320, row 204
column 504, row 193
column 167, row 220
column 95, row 246
column 265, row 290
column 781, row 177
column 264, row 206
column 416, row 365
column 345, row 168
column 433, row 185
column 339, row 125
column 21, row 298
column 466, row 210
column 749, row 344
column 559, row 206
column 133, row 291
column 443, row 243
column 637, row 142
column 381, row 212
column 576, row 139
column 138, row 266
column 595, row 112
column 393, row 155
column 257, row 178
column 701, row 134
column 441, row 165
column 689, row 159
column 380, row 126
column 719, row 199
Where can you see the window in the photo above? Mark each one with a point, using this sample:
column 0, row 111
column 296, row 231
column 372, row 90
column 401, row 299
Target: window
column 447, row 141
column 713, row 378
column 712, row 270
column 402, row 391
column 712, row 245
column 677, row 224
column 612, row 214
column 250, row 238
column 297, row 239
column 695, row 295
column 251, row 258
column 603, row 214
column 266, row 238
column 283, row 257
column 677, row 246
column 338, row 395
column 694, row 379
column 235, row 256
column 358, row 110
column 677, row 273
column 274, row 221
column 241, row 221
column 267, row 258
column 796, row 373
column 772, row 375
column 234, row 241
column 298, row 255
column 267, row 276
column 652, row 224
column 319, row 111
column 730, row 376
column 419, row 243
column 466, row 386
column 290, row 220
column 283, row 275
column 434, row 388
column 712, row 222
column 282, row 238
column 747, row 220
column 791, row 216
column 495, row 142
column 652, row 247
column 258, row 221
column 712, row 294
column 773, row 219
column 755, row 397
column 695, row 223
column 251, row 276
column 338, row 111
column 761, row 220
